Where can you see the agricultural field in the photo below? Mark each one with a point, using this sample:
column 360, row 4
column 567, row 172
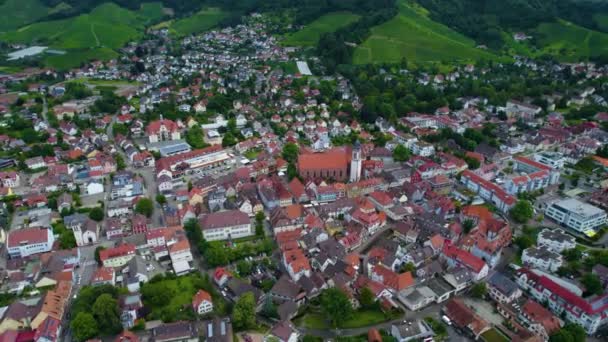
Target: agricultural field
column 570, row 42
column 95, row 35
column 411, row 34
column 16, row 13
column 310, row 34
column 201, row 21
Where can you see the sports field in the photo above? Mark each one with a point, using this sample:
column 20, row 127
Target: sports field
column 310, row 34
column 411, row 34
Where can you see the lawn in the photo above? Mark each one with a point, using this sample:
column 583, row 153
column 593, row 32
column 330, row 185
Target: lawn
column 571, row 42
column 105, row 83
column 310, row 34
column 201, row 21
column 411, row 34
column 494, row 335
column 74, row 58
column 252, row 154
column 361, row 318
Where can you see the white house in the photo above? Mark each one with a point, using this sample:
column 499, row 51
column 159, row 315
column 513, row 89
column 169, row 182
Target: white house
column 24, row 242
column 202, row 303
column 94, row 187
column 542, row 257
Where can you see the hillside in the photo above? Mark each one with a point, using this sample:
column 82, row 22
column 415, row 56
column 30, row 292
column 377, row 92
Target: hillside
column 92, row 35
column 309, row 35
column 199, row 22
column 411, row 34
column 16, row 13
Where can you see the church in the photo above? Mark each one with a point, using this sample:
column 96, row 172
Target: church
column 340, row 164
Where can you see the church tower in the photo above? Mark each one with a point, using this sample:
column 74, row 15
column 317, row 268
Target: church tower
column 355, row 163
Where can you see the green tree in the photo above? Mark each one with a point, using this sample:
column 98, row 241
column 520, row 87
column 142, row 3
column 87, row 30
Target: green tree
column 244, row 267
column 270, row 308
column 195, row 137
column 97, row 250
column 292, row 171
column 290, row 152
column 243, row 315
column 120, row 162
column 228, row 140
column 157, row 294
column 145, row 207
column 161, row 199
column 479, row 290
column 367, row 298
column 336, row 305
column 522, row 211
column 105, row 311
column 259, row 223
column 523, row 242
column 592, row 283
column 468, row 225
column 401, row 153
column 84, row 326
column 96, row 214
column 569, row 333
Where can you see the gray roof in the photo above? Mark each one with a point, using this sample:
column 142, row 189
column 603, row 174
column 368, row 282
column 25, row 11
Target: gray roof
column 503, row 284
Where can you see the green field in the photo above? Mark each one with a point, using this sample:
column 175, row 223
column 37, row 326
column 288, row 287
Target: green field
column 494, row 335
column 361, row 318
column 411, row 34
column 95, row 35
column 571, row 42
column 201, row 21
column 310, row 34
column 16, row 13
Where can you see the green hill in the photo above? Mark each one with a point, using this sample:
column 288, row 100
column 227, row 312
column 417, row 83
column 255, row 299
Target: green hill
column 570, row 42
column 203, row 20
column 88, row 36
column 16, row 13
column 310, row 34
column 411, row 34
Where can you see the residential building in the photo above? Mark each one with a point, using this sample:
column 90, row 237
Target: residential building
column 24, row 242
column 590, row 313
column 202, row 303
column 117, row 256
column 556, row 240
column 542, row 257
column 223, row 225
column 502, row 289
column 539, row 320
column 577, row 215
column 417, row 330
column 488, row 191
column 161, row 130
column 464, row 319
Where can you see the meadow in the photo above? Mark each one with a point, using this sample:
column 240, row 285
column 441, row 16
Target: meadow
column 16, row 13
column 411, row 34
column 309, row 35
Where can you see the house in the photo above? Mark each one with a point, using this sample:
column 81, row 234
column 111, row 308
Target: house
column 392, row 280
column 556, row 240
column 542, row 257
column 24, row 242
column 117, row 256
column 284, row 331
column 502, row 289
column 202, row 303
column 162, row 130
column 103, row 276
column 223, row 225
column 417, row 330
column 539, row 320
column 94, row 187
column 216, row 330
column 465, row 319
column 181, row 331
column 458, row 257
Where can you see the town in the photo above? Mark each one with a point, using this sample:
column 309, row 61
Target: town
column 224, row 187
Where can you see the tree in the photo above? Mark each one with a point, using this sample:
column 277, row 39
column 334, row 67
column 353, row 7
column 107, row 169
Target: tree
column 97, row 250
column 468, row 225
column 259, row 223
column 401, row 153
column 161, row 199
column 479, row 290
column 105, row 311
column 336, row 305
column 243, row 315
column 592, row 283
column 228, row 140
column 244, row 267
column 96, row 214
column 84, row 326
column 145, row 207
column 570, row 332
column 195, row 137
column 120, row 162
column 290, row 152
column 157, row 294
column 523, row 242
column 367, row 298
column 270, row 309
column 522, row 211
column 292, row 171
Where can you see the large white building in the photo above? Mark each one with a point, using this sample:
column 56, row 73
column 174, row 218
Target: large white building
column 554, row 160
column 576, row 215
column 542, row 257
column 223, row 225
column 556, row 240
column 24, row 242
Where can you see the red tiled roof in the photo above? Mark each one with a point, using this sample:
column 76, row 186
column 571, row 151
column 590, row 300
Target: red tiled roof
column 27, row 236
column 532, row 163
column 537, row 313
column 200, row 297
column 121, row 250
column 498, row 191
column 320, row 161
column 464, row 257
